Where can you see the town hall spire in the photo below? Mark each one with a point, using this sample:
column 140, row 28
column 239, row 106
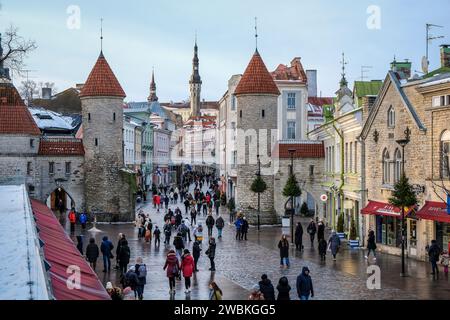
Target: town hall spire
column 195, row 83
column 153, row 97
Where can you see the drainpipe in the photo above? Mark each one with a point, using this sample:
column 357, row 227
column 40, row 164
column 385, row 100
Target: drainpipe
column 341, row 194
column 362, row 225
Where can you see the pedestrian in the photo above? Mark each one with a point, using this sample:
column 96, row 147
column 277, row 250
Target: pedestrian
column 198, row 233
column 334, row 243
column 299, row 237
column 283, row 245
column 106, row 248
column 311, row 229
column 141, row 272
column 187, row 267
column 187, row 204
column 172, row 268
column 434, row 251
column 157, row 236
column 305, row 285
column 123, row 256
column 238, row 225
column 210, row 224
column 266, row 288
column 211, row 253
column 196, row 250
column 167, row 232
column 220, row 224
column 92, row 253
column 148, row 230
column 193, row 216
column 244, row 228
column 445, row 261
column 179, row 245
column 217, row 205
column 371, row 245
column 158, row 202
column 114, row 292
column 166, row 201
column 130, row 280
column 283, row 288
column 256, row 294
column 322, row 249
column 215, row 293
column 120, row 239
column 72, row 220
column 83, row 220
column 127, row 293
column 80, row 243
column 184, row 230
column 320, row 230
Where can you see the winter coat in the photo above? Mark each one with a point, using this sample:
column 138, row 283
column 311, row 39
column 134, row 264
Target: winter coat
column 244, row 227
column 211, row 252
column 83, row 218
column 92, row 252
column 434, row 252
column 371, row 244
column 220, row 223
column 311, row 229
column 266, row 288
column 298, row 234
column 124, row 254
column 304, row 284
column 321, row 231
column 238, row 224
column 283, row 290
column 171, row 266
column 72, row 217
column 322, row 247
column 196, row 250
column 130, row 280
column 119, row 245
column 141, row 272
column 334, row 243
column 106, row 248
column 283, row 245
column 210, row 221
column 178, row 243
column 187, row 265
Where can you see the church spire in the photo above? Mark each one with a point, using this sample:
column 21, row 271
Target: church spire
column 153, row 97
column 343, row 81
column 195, row 83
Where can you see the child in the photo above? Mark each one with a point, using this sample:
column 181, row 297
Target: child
column 322, row 249
column 444, row 261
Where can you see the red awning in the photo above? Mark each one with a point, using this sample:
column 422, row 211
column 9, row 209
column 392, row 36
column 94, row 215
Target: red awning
column 383, row 209
column 436, row 211
column 60, row 252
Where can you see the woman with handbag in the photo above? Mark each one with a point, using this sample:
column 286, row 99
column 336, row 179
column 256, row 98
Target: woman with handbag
column 172, row 267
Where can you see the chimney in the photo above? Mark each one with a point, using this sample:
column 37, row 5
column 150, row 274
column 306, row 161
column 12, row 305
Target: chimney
column 311, row 75
column 403, row 69
column 46, row 93
column 445, row 55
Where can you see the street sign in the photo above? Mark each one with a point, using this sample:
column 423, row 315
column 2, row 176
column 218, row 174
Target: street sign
column 324, row 197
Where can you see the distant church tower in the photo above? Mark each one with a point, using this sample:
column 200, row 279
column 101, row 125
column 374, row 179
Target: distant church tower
column 195, row 84
column 152, row 97
column 102, row 113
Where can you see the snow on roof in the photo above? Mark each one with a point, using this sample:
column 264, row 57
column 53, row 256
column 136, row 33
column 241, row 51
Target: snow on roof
column 22, row 274
column 46, row 119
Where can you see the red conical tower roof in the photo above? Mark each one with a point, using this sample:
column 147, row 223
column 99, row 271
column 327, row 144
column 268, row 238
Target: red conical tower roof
column 256, row 79
column 102, row 81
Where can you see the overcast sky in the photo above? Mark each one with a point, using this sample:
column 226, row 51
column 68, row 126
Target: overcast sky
column 139, row 34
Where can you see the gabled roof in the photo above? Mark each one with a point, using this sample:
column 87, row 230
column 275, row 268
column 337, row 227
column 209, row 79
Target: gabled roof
column 102, row 81
column 256, row 79
column 320, row 101
column 391, row 78
column 294, row 72
column 61, row 147
column 14, row 115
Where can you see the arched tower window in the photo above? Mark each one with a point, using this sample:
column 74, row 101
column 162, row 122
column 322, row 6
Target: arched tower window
column 391, row 117
column 386, row 167
column 445, row 154
column 398, row 165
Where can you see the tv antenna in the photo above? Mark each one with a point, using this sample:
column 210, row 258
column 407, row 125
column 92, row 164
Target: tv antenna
column 429, row 38
column 364, row 70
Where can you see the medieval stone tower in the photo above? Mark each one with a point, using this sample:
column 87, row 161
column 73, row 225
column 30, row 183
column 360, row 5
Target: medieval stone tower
column 106, row 189
column 195, row 85
column 256, row 96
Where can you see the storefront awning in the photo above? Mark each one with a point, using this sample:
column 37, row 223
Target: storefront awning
column 383, row 209
column 436, row 211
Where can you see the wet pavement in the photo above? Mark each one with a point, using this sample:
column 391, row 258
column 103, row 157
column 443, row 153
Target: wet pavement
column 240, row 264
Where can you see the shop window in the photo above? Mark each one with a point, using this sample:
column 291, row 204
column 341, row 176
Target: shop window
column 445, row 153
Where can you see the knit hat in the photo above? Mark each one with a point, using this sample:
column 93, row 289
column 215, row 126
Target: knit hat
column 109, row 286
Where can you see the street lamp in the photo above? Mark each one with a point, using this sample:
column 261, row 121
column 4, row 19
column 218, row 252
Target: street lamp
column 291, row 171
column 403, row 143
column 258, row 174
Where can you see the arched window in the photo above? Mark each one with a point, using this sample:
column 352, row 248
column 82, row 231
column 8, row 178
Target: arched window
column 386, row 167
column 445, row 153
column 391, row 117
column 398, row 165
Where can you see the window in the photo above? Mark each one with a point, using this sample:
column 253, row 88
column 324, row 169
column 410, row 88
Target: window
column 291, row 130
column 233, row 102
column 356, row 157
column 114, row 116
column 240, row 113
column 386, row 167
column 350, row 165
column 391, row 117
column 96, row 142
column 398, row 165
column 263, row 113
column 31, row 143
column 445, row 153
column 234, row 160
column 440, row 101
column 291, row 101
column 346, row 157
column 89, row 117
column 311, row 170
column 68, row 167
column 29, row 168
column 51, row 167
column 233, row 127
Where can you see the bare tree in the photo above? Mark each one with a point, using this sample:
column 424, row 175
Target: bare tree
column 15, row 49
column 28, row 90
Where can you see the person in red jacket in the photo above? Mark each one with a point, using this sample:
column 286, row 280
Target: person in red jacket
column 187, row 266
column 173, row 269
column 72, row 220
column 158, row 201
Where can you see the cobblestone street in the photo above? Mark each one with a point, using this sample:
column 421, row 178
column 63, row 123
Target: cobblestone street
column 240, row 265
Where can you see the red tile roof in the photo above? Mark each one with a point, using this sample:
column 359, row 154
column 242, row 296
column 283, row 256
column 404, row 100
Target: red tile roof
column 294, row 72
column 256, row 79
column 15, row 118
column 60, row 252
column 302, row 150
column 61, row 147
column 102, row 81
column 320, row 101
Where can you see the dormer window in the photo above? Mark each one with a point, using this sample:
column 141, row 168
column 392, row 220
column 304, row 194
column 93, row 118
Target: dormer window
column 391, row 117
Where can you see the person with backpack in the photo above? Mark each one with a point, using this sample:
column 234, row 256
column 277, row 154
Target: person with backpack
column 92, row 253
column 187, row 267
column 210, row 224
column 434, row 252
column 215, row 293
column 211, row 253
column 167, row 232
column 220, row 224
column 83, row 220
column 172, row 268
column 196, row 250
column 304, row 285
column 266, row 288
column 183, row 229
column 312, row 229
column 106, row 248
column 124, row 256
column 283, row 245
column 198, row 233
column 157, row 236
column 130, row 280
column 141, row 272
column 72, row 220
